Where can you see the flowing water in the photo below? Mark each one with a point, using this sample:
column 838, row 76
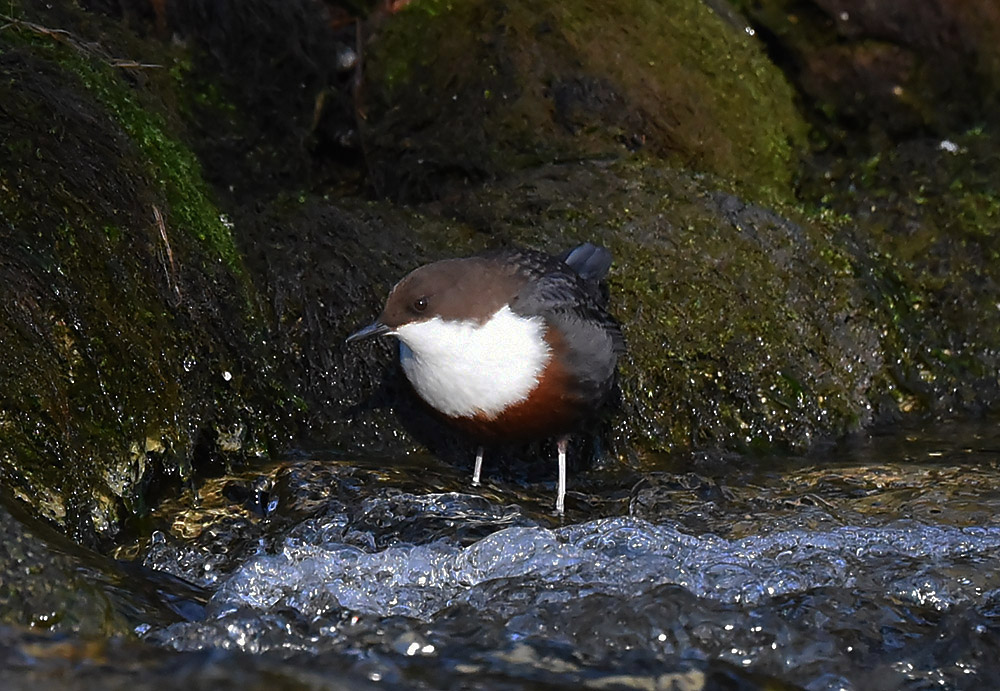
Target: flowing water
column 874, row 564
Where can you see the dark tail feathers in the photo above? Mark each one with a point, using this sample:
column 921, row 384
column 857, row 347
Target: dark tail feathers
column 588, row 260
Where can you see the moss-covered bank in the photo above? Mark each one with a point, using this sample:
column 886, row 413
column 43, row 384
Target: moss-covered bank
column 128, row 325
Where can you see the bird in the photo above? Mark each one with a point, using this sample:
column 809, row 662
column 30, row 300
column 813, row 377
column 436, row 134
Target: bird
column 511, row 345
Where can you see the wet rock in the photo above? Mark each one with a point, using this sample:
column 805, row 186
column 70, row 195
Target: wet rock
column 43, row 588
column 54, row 586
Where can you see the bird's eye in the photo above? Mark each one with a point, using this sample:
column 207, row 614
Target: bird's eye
column 420, row 304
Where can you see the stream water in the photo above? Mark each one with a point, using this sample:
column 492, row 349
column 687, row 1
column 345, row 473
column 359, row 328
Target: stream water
column 874, row 564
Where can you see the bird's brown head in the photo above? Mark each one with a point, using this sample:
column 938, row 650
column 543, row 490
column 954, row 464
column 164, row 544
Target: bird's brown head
column 471, row 289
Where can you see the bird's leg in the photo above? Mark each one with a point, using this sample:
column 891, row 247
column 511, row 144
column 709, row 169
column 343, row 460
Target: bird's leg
column 561, row 487
column 479, row 467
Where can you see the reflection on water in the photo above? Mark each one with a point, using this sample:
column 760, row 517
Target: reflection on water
column 874, row 565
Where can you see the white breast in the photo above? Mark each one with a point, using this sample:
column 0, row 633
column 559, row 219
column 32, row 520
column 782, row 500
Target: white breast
column 462, row 368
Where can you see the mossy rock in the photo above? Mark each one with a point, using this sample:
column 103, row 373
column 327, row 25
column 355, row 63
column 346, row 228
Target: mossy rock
column 753, row 329
column 748, row 328
column 460, row 92
column 928, row 214
column 128, row 325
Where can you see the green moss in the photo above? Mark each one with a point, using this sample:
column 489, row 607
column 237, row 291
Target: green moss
column 174, row 166
column 527, row 82
column 171, row 163
column 113, row 233
column 735, row 112
column 399, row 60
column 206, row 94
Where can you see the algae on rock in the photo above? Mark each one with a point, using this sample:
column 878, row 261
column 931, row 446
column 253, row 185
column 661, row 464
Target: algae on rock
column 479, row 89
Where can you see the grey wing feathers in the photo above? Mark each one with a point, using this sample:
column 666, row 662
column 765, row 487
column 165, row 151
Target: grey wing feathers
column 567, row 287
column 588, row 260
column 563, row 296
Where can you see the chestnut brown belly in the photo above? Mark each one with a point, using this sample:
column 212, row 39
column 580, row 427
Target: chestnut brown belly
column 543, row 414
column 550, row 409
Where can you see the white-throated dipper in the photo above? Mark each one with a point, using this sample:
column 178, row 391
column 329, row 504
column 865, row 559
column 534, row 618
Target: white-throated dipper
column 508, row 346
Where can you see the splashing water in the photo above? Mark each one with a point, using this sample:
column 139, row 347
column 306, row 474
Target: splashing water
column 820, row 578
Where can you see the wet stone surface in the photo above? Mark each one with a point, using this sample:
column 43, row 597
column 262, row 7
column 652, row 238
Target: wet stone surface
column 872, row 565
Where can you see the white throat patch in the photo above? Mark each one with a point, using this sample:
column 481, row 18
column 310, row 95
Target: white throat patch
column 462, row 368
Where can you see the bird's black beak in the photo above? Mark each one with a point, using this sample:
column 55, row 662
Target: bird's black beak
column 376, row 328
